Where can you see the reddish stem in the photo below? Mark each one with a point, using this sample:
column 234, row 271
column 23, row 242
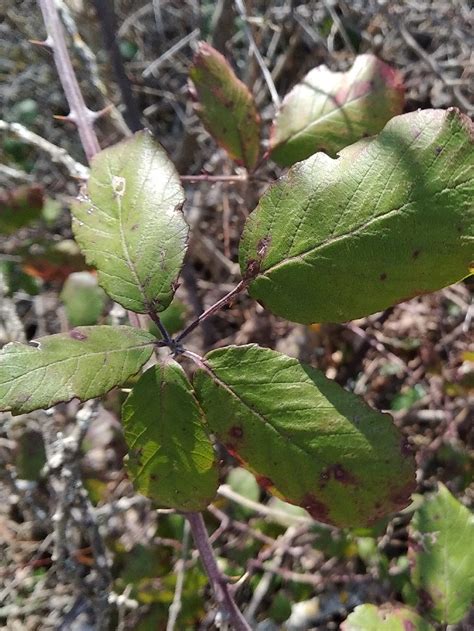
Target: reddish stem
column 79, row 112
column 218, row 582
column 212, row 309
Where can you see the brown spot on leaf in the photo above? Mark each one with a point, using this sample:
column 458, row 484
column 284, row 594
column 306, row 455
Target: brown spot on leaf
column 77, row 335
column 236, row 431
column 337, row 472
column 383, row 276
column 426, row 602
column 415, row 254
column 315, row 508
column 438, row 150
column 400, row 498
column 252, row 269
column 262, row 246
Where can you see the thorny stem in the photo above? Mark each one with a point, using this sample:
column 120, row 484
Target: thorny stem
column 79, row 112
column 212, row 309
column 84, row 118
column 218, row 581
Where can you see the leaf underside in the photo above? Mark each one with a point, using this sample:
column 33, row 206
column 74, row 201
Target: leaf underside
column 385, row 618
column 442, row 556
column 390, row 219
column 327, row 110
column 226, row 106
column 84, row 363
column 305, row 438
column 129, row 223
column 171, row 459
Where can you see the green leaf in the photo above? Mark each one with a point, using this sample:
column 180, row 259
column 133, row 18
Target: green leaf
column 83, row 299
column 171, row 459
column 19, row 206
column 390, row 219
column 442, row 556
column 226, row 106
column 305, row 438
column 129, row 223
column 385, row 618
column 83, row 364
column 330, row 110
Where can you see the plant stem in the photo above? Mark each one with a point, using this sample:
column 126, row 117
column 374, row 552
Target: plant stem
column 79, row 113
column 161, row 327
column 84, row 118
column 212, row 309
column 217, row 580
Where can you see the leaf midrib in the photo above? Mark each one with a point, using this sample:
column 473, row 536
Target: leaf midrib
column 71, row 357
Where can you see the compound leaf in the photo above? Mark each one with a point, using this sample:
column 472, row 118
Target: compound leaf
column 83, row 363
column 390, row 219
column 385, row 618
column 171, row 459
column 129, row 223
column 226, row 106
column 442, row 555
column 330, row 110
column 305, row 438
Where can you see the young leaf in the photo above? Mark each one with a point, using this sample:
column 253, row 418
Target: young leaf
column 390, row 219
column 171, row 459
column 20, row 206
column 83, row 364
column 226, row 106
column 385, row 618
column 330, row 110
column 442, row 555
column 305, row 438
column 129, row 223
